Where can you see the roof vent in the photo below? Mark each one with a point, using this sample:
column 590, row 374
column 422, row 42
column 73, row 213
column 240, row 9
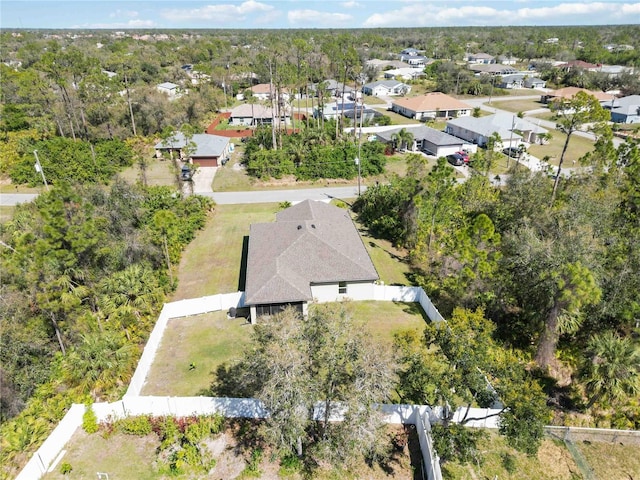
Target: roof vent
column 299, row 227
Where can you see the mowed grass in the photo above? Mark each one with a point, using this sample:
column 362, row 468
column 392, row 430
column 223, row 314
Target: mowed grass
column 518, row 105
column 612, row 460
column 192, row 348
column 499, row 460
column 159, row 172
column 122, row 456
column 212, row 261
column 578, row 147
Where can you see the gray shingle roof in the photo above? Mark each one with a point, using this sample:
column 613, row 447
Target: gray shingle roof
column 433, row 136
column 502, row 123
column 311, row 242
column 206, row 145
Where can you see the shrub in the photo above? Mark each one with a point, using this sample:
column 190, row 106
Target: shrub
column 89, row 420
column 65, row 468
column 140, row 426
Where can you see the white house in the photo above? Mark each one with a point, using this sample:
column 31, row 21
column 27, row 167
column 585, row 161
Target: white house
column 386, row 87
column 169, row 88
column 511, row 129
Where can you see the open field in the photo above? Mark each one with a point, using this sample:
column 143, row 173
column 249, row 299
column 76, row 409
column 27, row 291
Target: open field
column 158, row 173
column 612, row 460
column 134, row 457
column 578, row 147
column 6, row 213
column 499, row 460
column 212, row 262
column 518, row 105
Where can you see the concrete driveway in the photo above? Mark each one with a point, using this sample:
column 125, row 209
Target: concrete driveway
column 203, row 179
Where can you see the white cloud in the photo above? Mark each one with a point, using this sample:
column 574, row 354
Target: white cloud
column 124, row 14
column 427, row 14
column 130, row 24
column 222, row 12
column 298, row 18
column 351, row 4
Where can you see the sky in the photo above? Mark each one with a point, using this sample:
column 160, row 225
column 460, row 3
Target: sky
column 249, row 14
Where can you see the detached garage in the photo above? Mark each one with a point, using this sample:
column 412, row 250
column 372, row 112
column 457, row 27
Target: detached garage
column 203, row 149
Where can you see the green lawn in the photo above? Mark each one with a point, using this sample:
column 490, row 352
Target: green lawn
column 612, row 460
column 159, row 172
column 209, row 340
column 499, row 460
column 7, row 187
column 578, row 147
column 211, row 262
column 518, row 105
column 6, row 213
column 396, row 119
column 205, row 341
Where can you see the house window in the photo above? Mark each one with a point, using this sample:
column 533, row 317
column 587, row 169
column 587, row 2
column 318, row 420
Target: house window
column 342, row 288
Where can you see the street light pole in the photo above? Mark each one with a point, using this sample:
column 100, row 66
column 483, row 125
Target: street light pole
column 38, row 168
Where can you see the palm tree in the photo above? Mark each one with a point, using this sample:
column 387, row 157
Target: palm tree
column 612, row 369
column 403, row 139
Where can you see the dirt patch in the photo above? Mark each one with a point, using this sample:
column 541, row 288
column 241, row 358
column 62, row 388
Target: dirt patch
column 558, row 461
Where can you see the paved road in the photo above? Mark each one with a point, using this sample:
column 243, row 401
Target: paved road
column 228, row 198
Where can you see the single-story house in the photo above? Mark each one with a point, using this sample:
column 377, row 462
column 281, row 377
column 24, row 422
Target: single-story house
column 348, row 109
column 569, row 92
column 492, row 69
column 386, row 87
column 429, row 140
column 206, row 150
column 380, row 64
column 534, row 82
column 407, row 73
column 255, row 114
column 481, row 57
column 415, row 61
column 579, row 65
column 512, row 81
column 430, row 106
column 512, row 130
column 625, row 109
column 311, row 253
column 507, row 60
column 169, row 88
column 333, row 88
column 263, row 91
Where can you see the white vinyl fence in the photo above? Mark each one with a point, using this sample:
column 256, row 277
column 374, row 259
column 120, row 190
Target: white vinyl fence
column 430, row 459
column 133, row 404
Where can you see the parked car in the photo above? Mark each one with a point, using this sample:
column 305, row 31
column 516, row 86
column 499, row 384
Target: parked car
column 455, row 159
column 186, row 173
column 464, row 155
column 512, row 152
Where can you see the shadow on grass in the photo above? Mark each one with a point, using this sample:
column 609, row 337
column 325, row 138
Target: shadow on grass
column 242, row 279
column 414, row 308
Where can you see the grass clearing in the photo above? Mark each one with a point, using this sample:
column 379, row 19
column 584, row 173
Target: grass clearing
column 396, row 119
column 578, row 147
column 158, row 173
column 209, row 340
column 6, row 213
column 499, row 460
column 212, row 262
column 612, row 460
column 192, row 348
column 518, row 105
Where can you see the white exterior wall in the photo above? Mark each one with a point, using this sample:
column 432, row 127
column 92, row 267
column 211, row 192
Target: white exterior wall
column 328, row 292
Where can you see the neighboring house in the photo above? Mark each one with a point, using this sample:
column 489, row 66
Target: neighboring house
column 386, row 87
column 263, row 92
column 569, row 92
column 335, row 89
column 311, row 253
column 380, row 64
column 579, row 65
column 429, row 140
column 512, row 130
column 407, row 73
column 481, row 58
column 625, row 109
column 331, row 111
column 492, row 69
column 255, row 114
column 512, row 81
column 418, row 61
column 206, row 150
column 430, row 106
column 410, row 52
column 170, row 89
column 534, row 82
column 507, row 60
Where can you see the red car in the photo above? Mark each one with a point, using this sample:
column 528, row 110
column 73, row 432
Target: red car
column 464, row 155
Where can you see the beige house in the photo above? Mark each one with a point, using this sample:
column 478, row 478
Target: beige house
column 431, row 106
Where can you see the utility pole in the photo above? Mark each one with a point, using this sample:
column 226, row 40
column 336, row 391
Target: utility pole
column 38, row 168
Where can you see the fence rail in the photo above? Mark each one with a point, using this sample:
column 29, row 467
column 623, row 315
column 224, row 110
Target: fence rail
column 600, row 435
